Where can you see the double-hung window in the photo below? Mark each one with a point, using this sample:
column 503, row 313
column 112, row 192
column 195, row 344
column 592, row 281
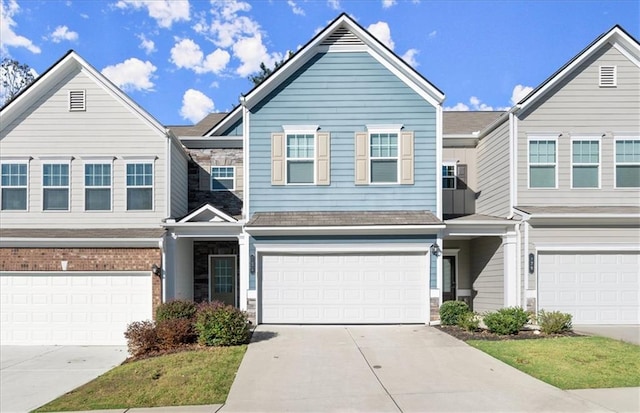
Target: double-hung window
column 97, row 186
column 449, row 176
column 14, row 186
column 585, row 161
column 55, row 186
column 383, row 157
column 542, row 163
column 627, row 163
column 300, row 158
column 139, row 186
column 223, row 178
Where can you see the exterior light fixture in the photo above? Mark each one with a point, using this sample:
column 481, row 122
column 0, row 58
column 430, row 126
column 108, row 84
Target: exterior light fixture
column 155, row 270
column 435, row 250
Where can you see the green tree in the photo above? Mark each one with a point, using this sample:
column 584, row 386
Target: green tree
column 266, row 71
column 14, row 77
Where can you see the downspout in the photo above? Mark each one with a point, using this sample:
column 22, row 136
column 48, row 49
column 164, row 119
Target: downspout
column 163, row 271
column 167, row 172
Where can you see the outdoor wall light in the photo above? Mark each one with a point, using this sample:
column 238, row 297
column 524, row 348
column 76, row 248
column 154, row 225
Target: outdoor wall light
column 252, row 264
column 155, row 269
column 435, row 250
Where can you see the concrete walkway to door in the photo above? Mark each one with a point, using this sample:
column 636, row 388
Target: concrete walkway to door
column 383, row 369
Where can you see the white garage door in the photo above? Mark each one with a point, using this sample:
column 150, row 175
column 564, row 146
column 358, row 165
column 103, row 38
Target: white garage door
column 350, row 289
column 72, row 308
column 594, row 288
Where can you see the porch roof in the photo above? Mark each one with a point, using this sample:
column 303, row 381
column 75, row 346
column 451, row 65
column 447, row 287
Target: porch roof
column 82, row 233
column 342, row 218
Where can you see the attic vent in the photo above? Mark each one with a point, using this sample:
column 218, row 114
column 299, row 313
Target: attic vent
column 77, row 100
column 608, row 76
column 343, row 37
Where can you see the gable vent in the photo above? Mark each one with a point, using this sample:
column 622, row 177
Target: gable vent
column 608, row 76
column 77, row 100
column 342, row 37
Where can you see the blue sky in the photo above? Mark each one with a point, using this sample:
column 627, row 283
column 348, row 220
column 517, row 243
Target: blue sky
column 183, row 59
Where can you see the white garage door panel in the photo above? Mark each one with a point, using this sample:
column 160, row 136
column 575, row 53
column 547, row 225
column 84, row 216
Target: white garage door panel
column 594, row 288
column 344, row 289
column 80, row 309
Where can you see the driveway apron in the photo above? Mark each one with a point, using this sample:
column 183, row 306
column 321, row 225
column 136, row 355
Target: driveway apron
column 383, row 369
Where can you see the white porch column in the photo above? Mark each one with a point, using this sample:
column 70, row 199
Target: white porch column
column 510, row 253
column 243, row 261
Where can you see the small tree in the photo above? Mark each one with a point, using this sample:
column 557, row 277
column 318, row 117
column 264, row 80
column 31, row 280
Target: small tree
column 14, row 77
column 265, row 71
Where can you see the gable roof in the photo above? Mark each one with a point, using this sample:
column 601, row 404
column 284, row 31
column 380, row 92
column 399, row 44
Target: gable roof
column 48, row 79
column 616, row 36
column 343, row 33
column 467, row 122
column 200, row 128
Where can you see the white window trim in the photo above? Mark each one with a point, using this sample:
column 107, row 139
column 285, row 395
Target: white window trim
column 555, row 164
column 16, row 161
column 455, row 175
column 138, row 160
column 300, row 129
column 287, row 159
column 375, row 129
column 233, row 178
column 616, row 163
column 53, row 160
column 599, row 164
column 96, row 161
column 615, row 76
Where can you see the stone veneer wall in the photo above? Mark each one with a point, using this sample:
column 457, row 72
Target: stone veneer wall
column 200, row 179
column 201, row 252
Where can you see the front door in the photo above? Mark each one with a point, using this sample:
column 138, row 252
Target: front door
column 222, row 278
column 448, row 278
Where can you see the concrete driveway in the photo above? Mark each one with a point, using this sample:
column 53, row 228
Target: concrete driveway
column 383, row 369
column 629, row 333
column 31, row 376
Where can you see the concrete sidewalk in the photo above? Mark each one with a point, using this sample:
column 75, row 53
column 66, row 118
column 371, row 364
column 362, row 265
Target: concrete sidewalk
column 628, row 333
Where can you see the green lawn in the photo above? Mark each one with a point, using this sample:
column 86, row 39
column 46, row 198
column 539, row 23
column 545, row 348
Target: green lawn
column 187, row 378
column 570, row 362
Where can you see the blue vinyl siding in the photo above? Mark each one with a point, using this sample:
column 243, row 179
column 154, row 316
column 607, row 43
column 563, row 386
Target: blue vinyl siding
column 343, row 92
column 234, row 130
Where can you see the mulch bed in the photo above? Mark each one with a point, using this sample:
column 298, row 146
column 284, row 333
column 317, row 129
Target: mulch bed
column 464, row 335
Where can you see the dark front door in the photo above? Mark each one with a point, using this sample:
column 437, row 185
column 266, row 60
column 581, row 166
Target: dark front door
column 222, row 278
column 448, row 278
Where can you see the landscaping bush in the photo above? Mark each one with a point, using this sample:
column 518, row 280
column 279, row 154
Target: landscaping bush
column 141, row 337
column 469, row 321
column 174, row 333
column 176, row 309
column 221, row 325
column 554, row 322
column 450, row 312
column 506, row 320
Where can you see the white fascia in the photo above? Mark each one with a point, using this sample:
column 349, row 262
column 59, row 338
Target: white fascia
column 601, row 247
column 439, row 142
column 246, row 159
column 341, row 248
column 348, row 230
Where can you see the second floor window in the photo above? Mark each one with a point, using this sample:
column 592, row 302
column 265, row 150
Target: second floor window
column 542, row 164
column 139, row 186
column 585, row 160
column 628, row 163
column 223, row 178
column 14, row 187
column 448, row 176
column 55, row 187
column 384, row 157
column 97, row 184
column 300, row 158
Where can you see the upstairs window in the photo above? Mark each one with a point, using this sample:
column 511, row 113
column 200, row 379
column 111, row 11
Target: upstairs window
column 97, row 187
column 585, row 159
column 608, row 76
column 139, row 186
column 384, row 157
column 223, row 178
column 14, row 186
column 300, row 158
column 449, row 176
column 628, row 163
column 55, row 186
column 542, row 163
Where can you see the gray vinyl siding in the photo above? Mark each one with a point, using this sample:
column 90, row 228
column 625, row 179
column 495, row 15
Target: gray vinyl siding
column 463, row 262
column 579, row 107
column 461, row 201
column 107, row 129
column 493, row 173
column 179, row 181
column 487, row 274
column 343, row 92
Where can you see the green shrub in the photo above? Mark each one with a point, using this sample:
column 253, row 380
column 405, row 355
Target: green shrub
column 450, row 312
column 506, row 320
column 141, row 337
column 176, row 309
column 554, row 322
column 469, row 321
column 221, row 325
column 174, row 332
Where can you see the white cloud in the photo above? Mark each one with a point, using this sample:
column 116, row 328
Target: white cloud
column 195, row 105
column 62, row 33
column 132, row 74
column 165, row 12
column 388, row 3
column 474, row 104
column 459, row 107
column 188, row 55
column 251, row 52
column 410, row 57
column 382, row 32
column 334, row 4
column 7, row 29
column 146, row 44
column 295, row 8
column 433, row 34
column 519, row 92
